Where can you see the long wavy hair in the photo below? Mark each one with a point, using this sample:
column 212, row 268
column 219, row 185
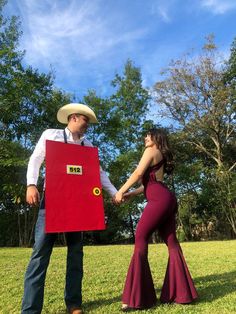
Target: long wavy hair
column 159, row 137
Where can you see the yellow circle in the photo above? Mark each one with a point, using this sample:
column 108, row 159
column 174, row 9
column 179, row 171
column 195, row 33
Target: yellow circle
column 96, row 191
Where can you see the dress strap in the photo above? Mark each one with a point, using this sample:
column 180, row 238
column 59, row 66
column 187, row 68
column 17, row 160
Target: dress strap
column 158, row 165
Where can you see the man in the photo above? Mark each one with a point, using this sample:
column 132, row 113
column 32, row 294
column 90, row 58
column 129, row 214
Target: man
column 77, row 117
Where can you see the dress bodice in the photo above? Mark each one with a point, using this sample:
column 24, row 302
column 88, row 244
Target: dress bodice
column 150, row 173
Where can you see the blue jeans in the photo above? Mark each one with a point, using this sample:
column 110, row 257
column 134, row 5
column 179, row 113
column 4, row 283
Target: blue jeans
column 36, row 272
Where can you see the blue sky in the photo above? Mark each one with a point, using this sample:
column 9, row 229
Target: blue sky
column 87, row 42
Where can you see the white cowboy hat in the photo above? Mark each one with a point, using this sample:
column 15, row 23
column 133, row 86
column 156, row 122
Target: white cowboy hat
column 65, row 111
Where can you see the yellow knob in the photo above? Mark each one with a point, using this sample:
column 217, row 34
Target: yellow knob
column 96, row 191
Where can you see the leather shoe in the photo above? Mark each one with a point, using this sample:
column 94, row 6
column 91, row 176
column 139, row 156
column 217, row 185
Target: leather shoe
column 75, row 310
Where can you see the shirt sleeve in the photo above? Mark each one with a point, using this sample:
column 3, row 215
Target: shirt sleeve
column 36, row 160
column 106, row 183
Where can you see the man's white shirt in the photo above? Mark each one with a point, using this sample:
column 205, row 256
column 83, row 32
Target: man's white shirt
column 38, row 156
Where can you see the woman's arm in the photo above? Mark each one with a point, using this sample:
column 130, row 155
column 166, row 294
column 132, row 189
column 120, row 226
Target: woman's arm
column 145, row 161
column 133, row 193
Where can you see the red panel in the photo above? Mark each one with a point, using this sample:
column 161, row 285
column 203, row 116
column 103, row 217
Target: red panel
column 73, row 198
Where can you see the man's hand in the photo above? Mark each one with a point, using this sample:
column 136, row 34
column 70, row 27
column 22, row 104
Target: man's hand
column 32, row 195
column 118, row 197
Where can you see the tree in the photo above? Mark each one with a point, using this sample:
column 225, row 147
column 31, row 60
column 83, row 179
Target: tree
column 230, row 73
column 28, row 101
column 198, row 100
column 129, row 108
column 122, row 117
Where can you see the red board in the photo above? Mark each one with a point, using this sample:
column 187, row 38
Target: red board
column 73, row 195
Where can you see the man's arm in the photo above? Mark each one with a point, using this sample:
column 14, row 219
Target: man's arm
column 106, row 183
column 35, row 162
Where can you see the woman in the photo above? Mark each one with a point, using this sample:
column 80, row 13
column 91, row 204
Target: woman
column 159, row 214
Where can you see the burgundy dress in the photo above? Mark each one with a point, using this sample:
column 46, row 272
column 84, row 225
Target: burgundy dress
column 159, row 214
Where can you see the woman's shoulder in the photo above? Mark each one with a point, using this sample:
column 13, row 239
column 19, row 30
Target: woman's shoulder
column 149, row 151
column 152, row 155
column 152, row 150
column 156, row 155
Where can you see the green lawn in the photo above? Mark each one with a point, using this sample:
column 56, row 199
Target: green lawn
column 212, row 265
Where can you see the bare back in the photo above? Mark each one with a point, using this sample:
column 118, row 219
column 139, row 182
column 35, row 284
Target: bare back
column 157, row 157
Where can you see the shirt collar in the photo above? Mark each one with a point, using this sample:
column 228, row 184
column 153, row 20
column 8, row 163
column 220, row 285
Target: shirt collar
column 70, row 137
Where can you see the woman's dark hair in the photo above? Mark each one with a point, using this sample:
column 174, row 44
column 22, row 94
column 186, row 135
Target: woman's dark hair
column 159, row 137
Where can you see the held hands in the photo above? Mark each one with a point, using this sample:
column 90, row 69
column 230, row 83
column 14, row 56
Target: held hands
column 121, row 197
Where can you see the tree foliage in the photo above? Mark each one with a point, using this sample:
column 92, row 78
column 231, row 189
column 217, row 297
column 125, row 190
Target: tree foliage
column 28, row 101
column 122, row 117
column 198, row 93
column 196, row 97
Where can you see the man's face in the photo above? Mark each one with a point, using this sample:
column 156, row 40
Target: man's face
column 81, row 123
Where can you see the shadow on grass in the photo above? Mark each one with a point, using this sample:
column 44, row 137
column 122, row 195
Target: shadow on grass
column 101, row 302
column 212, row 287
column 91, row 305
column 209, row 288
column 215, row 286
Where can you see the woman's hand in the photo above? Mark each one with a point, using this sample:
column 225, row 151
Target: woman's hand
column 128, row 195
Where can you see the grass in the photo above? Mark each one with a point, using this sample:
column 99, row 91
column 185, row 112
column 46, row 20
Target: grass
column 212, row 265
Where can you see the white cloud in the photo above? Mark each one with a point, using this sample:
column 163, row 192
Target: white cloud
column 219, row 6
column 163, row 12
column 87, row 42
column 76, row 31
column 80, row 40
column 163, row 9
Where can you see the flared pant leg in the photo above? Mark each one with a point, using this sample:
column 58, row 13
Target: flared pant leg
column 139, row 290
column 178, row 285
